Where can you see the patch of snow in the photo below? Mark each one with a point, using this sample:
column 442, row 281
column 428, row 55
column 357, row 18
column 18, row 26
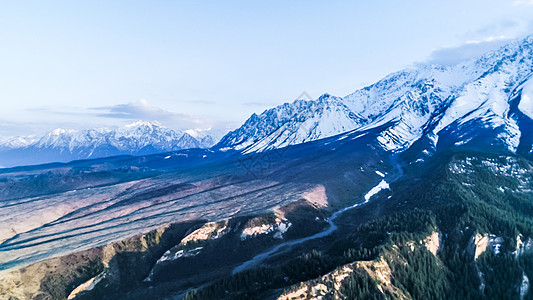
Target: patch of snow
column 462, row 142
column 86, row 286
column 210, row 230
column 282, row 228
column 170, row 255
column 360, row 135
column 380, row 174
column 278, row 228
column 342, row 137
column 434, row 139
column 381, row 186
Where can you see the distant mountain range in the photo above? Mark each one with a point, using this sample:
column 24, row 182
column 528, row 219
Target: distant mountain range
column 487, row 100
column 61, row 145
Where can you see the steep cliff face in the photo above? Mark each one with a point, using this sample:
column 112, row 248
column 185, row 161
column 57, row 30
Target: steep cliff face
column 433, row 242
column 481, row 243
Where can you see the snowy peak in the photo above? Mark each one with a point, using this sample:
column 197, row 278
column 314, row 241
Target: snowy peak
column 129, row 138
column 144, row 124
column 430, row 101
column 294, row 123
column 138, row 138
column 19, row 142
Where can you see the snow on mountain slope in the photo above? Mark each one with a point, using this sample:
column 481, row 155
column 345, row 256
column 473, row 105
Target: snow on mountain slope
column 131, row 138
column 65, row 145
column 526, row 103
column 487, row 98
column 19, row 142
column 289, row 124
column 410, row 104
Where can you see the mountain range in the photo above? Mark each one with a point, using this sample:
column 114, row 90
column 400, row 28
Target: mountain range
column 439, row 104
column 428, row 103
column 61, row 145
column 419, row 186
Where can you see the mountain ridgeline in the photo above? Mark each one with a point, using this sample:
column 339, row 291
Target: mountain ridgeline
column 61, row 145
column 417, row 187
column 485, row 100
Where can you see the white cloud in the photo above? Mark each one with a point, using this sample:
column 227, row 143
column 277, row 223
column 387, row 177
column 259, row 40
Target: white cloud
column 452, row 55
column 490, row 39
column 142, row 110
column 523, row 2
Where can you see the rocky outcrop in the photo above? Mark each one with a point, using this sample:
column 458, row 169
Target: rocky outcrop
column 263, row 225
column 432, row 242
column 523, row 246
column 330, row 286
column 87, row 286
column 480, row 243
column 210, row 230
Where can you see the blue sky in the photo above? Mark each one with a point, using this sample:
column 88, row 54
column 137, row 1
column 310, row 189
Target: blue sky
column 201, row 64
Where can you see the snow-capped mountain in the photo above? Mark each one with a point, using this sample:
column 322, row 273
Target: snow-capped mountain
column 289, row 124
column 487, row 99
column 63, row 145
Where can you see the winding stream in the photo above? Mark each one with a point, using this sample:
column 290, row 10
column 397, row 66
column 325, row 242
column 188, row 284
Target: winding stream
column 331, row 221
column 329, row 230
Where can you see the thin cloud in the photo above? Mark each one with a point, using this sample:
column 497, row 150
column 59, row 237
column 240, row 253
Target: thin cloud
column 501, row 28
column 523, row 2
column 142, row 110
column 448, row 56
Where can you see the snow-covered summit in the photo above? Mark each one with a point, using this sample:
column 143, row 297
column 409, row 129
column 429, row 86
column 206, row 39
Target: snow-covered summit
column 130, row 138
column 430, row 101
column 138, row 138
column 294, row 123
column 141, row 124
